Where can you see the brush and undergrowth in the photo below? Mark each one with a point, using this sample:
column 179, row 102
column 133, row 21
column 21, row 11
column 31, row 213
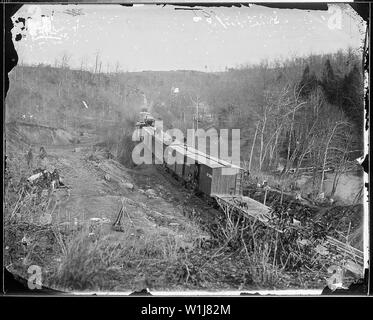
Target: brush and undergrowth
column 86, row 258
column 239, row 254
column 30, row 238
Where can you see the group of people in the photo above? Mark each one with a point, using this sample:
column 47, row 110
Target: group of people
column 41, row 158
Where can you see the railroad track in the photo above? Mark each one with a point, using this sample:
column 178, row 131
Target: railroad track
column 213, row 184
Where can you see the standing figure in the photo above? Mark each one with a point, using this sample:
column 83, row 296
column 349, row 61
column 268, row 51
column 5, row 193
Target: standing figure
column 42, row 153
column 42, row 159
column 29, row 158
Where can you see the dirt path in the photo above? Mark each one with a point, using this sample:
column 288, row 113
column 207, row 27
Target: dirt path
column 156, row 222
column 98, row 187
column 156, row 212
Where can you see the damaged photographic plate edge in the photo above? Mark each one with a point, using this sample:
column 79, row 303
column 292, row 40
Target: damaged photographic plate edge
column 292, row 292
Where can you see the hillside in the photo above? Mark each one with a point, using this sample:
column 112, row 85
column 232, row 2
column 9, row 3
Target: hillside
column 281, row 108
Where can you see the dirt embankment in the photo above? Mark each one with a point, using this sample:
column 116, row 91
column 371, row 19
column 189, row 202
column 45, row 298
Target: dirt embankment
column 21, row 135
column 156, row 228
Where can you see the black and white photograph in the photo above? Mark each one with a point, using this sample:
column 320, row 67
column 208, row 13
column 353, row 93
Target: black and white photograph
column 185, row 150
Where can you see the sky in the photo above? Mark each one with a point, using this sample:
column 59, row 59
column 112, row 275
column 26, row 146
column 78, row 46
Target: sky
column 150, row 37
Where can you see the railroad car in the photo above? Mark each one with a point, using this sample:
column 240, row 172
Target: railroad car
column 198, row 169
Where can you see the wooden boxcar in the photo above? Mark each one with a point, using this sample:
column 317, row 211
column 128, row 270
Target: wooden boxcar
column 214, row 180
column 212, row 177
column 209, row 172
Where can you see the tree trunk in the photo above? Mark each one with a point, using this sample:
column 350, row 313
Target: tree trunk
column 273, row 148
column 289, row 143
column 325, row 157
column 261, row 156
column 338, row 173
column 252, row 147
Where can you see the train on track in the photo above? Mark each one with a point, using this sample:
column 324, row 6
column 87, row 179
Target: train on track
column 205, row 174
column 198, row 170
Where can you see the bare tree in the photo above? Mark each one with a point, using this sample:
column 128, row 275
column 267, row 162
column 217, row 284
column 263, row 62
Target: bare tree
column 252, row 147
column 340, row 168
column 65, row 59
column 329, row 139
column 117, row 67
column 97, row 61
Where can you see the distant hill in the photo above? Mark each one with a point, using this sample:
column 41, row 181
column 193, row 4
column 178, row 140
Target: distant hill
column 81, row 100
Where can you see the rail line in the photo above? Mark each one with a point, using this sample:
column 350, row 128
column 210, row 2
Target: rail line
column 249, row 207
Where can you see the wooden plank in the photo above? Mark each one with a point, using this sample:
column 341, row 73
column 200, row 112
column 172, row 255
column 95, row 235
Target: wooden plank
column 344, row 245
column 249, row 208
column 355, row 253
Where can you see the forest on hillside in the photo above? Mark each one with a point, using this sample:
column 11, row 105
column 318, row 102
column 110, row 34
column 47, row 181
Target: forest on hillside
column 301, row 112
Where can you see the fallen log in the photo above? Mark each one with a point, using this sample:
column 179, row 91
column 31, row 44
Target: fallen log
column 345, row 248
